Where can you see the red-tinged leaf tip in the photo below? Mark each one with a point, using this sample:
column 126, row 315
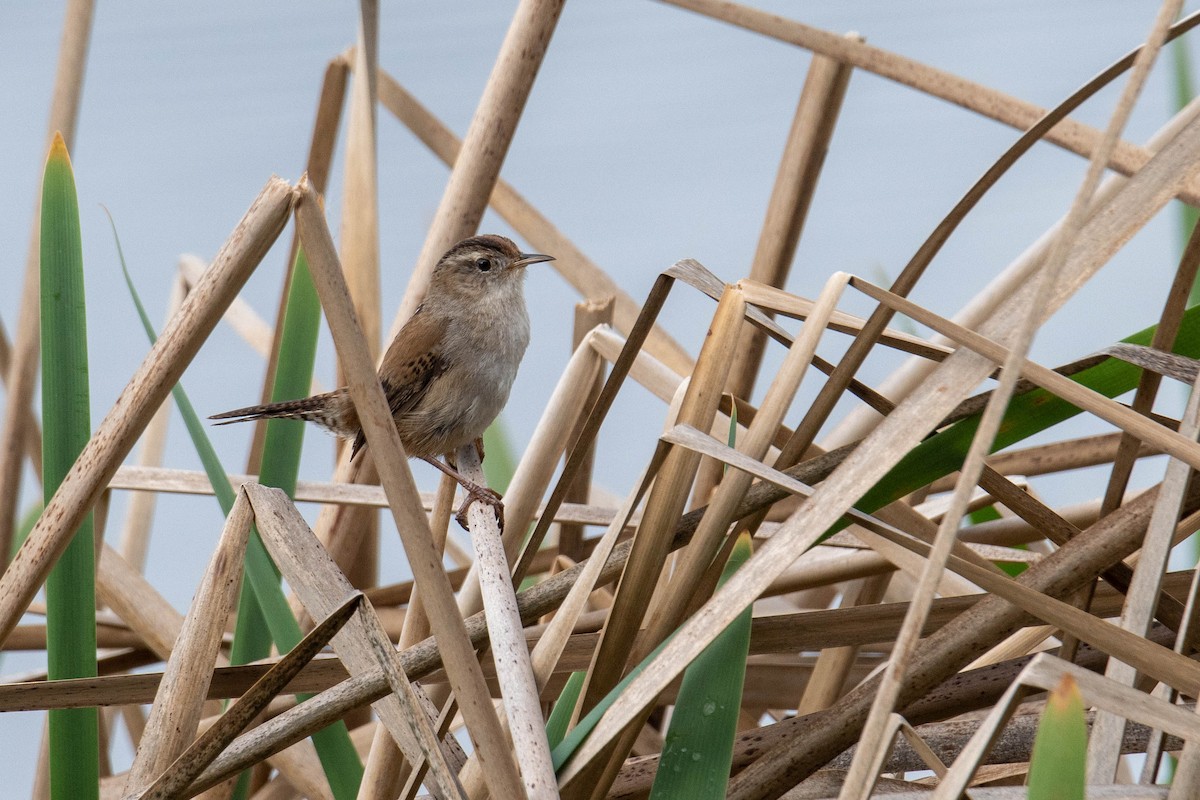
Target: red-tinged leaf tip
column 1065, row 695
column 58, row 149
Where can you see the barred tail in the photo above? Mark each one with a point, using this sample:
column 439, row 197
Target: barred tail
column 323, row 409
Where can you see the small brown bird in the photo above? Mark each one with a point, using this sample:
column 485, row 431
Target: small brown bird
column 448, row 372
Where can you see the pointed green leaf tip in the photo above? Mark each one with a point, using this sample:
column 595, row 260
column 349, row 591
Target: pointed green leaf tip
column 58, row 150
column 1058, row 767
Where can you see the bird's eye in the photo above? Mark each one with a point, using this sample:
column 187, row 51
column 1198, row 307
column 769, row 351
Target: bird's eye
column 483, row 264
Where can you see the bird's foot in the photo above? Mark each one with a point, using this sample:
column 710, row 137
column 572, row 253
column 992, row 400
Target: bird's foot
column 474, row 492
column 490, row 497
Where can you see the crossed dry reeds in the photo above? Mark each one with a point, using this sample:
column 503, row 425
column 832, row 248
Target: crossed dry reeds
column 827, row 690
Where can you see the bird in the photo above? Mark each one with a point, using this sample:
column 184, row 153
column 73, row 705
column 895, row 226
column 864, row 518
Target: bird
column 448, row 372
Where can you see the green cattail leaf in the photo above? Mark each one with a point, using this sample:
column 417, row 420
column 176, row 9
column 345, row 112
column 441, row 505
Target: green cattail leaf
column 560, row 715
column 1058, row 766
column 265, row 604
column 698, row 749
column 1183, row 90
column 70, row 587
column 293, row 378
column 499, row 464
column 570, row 743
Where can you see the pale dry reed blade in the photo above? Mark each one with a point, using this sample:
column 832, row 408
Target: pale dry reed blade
column 518, row 687
column 779, row 301
column 323, row 588
column 902, row 382
column 22, row 373
column 664, row 504
column 671, row 602
column 462, row 667
column 874, row 742
column 1069, row 134
column 182, row 481
column 791, row 196
column 492, row 128
column 1104, row 745
column 578, row 270
column 1044, row 672
column 175, row 715
column 145, row 392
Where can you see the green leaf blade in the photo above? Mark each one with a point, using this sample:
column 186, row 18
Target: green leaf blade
column 70, row 587
column 1058, row 766
column 698, row 749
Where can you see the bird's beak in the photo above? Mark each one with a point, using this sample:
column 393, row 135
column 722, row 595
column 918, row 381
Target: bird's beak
column 530, row 258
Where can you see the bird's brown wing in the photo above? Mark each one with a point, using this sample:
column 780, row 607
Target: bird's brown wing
column 412, row 362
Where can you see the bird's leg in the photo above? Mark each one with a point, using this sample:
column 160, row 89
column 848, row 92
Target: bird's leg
column 474, row 492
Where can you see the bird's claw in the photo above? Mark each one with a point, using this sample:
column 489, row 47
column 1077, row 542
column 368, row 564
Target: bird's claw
column 484, row 495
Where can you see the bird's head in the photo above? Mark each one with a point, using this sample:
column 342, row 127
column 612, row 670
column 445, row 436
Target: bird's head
column 482, row 262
